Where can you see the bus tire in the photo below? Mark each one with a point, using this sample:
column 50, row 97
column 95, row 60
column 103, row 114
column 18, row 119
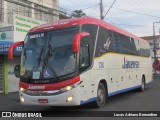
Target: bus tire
column 143, row 85
column 101, row 96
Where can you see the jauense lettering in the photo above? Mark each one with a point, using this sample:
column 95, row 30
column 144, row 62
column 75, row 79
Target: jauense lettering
column 130, row 64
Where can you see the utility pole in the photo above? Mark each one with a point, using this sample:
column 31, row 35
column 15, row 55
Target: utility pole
column 101, row 9
column 154, row 47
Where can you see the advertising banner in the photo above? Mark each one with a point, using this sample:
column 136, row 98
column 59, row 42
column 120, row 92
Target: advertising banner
column 22, row 25
column 6, row 36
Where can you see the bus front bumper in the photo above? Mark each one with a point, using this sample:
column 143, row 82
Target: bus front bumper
column 69, row 98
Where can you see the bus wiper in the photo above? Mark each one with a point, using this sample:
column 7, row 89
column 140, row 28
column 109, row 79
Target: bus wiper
column 50, row 51
column 39, row 59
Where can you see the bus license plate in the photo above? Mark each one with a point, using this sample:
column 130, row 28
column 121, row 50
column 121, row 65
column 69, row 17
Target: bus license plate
column 43, row 101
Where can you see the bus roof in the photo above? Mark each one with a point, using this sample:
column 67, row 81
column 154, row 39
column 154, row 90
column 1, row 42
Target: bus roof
column 59, row 24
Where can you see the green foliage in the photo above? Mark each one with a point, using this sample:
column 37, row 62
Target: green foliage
column 78, row 13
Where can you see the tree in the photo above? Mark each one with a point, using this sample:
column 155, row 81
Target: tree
column 78, row 13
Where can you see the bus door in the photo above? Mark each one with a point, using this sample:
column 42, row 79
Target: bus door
column 85, row 73
column 85, row 86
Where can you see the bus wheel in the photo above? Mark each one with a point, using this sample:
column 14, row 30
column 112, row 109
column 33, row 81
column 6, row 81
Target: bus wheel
column 101, row 96
column 142, row 88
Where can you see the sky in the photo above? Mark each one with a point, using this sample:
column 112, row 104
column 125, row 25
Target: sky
column 134, row 16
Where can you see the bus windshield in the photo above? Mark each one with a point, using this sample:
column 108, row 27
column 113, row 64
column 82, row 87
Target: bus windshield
column 48, row 55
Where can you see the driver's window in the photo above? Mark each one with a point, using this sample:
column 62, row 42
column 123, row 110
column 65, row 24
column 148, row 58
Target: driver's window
column 84, row 60
column 84, row 56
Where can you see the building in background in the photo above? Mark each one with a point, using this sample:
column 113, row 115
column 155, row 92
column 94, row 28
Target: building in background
column 16, row 18
column 151, row 39
column 43, row 10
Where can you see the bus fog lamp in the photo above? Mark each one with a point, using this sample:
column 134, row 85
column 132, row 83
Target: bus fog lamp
column 69, row 99
column 22, row 99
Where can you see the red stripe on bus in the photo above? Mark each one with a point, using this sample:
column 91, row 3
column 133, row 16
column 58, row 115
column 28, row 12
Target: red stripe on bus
column 59, row 24
column 51, row 86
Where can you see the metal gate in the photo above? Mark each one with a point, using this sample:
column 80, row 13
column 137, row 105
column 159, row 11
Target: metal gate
column 1, row 74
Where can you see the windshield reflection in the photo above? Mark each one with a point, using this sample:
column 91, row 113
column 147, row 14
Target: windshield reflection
column 63, row 60
column 48, row 55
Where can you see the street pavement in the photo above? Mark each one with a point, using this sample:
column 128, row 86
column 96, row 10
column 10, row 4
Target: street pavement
column 149, row 100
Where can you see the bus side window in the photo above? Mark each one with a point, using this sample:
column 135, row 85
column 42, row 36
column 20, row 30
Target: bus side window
column 92, row 30
column 84, row 59
column 104, row 42
column 118, row 42
column 84, row 56
column 144, row 49
column 133, row 47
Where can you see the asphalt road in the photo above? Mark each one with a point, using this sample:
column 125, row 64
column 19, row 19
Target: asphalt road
column 149, row 100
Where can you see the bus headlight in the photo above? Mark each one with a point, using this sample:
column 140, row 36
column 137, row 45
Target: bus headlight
column 21, row 89
column 67, row 88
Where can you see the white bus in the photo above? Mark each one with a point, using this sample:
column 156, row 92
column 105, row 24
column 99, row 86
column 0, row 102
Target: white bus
column 77, row 61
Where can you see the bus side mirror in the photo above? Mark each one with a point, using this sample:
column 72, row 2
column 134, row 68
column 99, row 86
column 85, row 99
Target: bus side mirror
column 17, row 71
column 11, row 48
column 76, row 41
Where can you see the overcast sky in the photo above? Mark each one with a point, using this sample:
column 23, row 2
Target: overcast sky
column 135, row 16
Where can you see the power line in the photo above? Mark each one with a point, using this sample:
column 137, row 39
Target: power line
column 138, row 3
column 116, row 19
column 139, row 7
column 117, row 9
column 86, row 8
column 79, row 2
column 89, row 7
column 83, row 3
column 109, row 9
column 88, row 2
column 126, row 11
column 133, row 25
column 135, row 5
column 93, row 12
column 134, row 12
